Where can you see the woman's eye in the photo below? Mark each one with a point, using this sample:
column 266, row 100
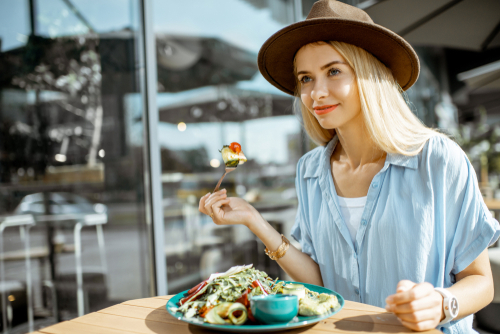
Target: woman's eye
column 334, row 71
column 305, row 79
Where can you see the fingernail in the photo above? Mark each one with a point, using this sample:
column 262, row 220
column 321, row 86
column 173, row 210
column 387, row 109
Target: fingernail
column 389, row 300
column 388, row 307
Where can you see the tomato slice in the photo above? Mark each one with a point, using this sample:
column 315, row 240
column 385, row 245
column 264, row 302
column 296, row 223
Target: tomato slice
column 256, row 284
column 244, row 300
column 189, row 296
column 235, row 147
column 195, row 288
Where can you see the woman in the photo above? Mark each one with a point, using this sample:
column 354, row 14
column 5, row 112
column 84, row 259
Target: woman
column 389, row 212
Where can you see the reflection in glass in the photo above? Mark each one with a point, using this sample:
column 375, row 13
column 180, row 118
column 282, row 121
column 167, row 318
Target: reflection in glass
column 71, row 155
column 210, row 93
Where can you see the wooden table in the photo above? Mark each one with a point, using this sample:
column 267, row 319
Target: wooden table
column 149, row 315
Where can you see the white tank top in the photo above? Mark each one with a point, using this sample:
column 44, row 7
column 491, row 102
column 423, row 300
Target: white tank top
column 352, row 210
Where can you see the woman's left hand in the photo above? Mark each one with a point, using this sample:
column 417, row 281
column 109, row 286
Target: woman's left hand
column 418, row 306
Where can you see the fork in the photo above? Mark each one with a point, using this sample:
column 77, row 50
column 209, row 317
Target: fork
column 228, row 170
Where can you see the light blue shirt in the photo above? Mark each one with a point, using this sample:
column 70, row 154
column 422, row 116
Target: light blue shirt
column 424, row 220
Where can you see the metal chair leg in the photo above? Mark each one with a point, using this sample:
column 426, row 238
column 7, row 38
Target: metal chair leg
column 29, row 284
column 50, row 285
column 23, row 222
column 79, row 270
column 102, row 250
column 2, row 280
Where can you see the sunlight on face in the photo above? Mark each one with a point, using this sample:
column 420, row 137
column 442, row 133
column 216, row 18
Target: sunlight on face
column 327, row 85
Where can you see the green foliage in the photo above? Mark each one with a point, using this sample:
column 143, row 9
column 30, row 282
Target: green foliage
column 481, row 140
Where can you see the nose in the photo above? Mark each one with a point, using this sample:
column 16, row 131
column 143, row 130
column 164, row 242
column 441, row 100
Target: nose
column 319, row 91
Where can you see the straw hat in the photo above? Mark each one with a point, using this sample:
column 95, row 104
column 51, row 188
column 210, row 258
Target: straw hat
column 331, row 20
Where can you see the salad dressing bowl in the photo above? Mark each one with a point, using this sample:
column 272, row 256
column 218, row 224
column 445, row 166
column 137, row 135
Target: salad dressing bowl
column 274, row 309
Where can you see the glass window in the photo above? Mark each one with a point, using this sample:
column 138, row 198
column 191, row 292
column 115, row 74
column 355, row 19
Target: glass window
column 71, row 152
column 210, row 93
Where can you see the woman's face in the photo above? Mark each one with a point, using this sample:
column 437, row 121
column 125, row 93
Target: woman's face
column 327, row 85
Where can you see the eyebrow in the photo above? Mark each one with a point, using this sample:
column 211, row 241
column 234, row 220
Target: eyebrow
column 326, row 66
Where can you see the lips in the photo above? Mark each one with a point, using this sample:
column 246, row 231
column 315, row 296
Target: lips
column 322, row 110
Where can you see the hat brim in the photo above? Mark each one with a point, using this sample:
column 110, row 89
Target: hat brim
column 276, row 55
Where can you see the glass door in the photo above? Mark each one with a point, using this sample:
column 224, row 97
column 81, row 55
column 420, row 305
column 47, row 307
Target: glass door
column 210, row 93
column 72, row 154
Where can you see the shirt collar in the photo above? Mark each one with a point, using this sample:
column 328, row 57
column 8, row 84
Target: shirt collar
column 392, row 158
column 402, row 160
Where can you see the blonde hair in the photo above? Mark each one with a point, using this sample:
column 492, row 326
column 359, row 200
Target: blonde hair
column 391, row 124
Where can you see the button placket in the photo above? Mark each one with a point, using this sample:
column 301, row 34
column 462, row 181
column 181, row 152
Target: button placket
column 328, row 191
column 355, row 275
column 370, row 204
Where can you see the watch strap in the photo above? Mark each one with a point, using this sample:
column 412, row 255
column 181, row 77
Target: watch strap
column 448, row 305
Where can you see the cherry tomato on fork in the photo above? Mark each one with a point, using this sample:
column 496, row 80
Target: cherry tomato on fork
column 235, row 147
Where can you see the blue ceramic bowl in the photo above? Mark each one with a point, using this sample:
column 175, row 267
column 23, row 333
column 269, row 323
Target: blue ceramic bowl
column 274, row 309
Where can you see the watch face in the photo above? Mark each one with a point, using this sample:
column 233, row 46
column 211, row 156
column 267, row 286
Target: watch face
column 454, row 307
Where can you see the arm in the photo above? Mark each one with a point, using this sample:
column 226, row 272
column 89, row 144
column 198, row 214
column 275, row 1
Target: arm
column 232, row 210
column 420, row 307
column 474, row 286
column 298, row 265
column 468, row 228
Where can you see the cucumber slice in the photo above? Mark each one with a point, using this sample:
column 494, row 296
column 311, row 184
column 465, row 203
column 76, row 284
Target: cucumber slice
column 214, row 318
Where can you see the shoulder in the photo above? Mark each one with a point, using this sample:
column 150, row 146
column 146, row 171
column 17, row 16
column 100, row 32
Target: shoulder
column 443, row 154
column 309, row 163
column 441, row 149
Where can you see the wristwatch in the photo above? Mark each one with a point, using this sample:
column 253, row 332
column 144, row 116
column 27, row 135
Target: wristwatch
column 450, row 305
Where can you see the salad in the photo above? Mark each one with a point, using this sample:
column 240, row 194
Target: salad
column 226, row 295
column 223, row 298
column 232, row 155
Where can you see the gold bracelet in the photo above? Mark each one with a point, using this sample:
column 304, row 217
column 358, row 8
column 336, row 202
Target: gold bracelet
column 280, row 252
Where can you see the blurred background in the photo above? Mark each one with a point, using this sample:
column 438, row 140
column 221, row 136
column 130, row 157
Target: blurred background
column 112, row 114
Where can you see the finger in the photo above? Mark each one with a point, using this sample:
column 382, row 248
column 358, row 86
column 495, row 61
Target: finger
column 216, row 195
column 419, row 291
column 217, row 209
column 419, row 316
column 208, row 206
column 201, row 205
column 405, row 285
column 421, row 326
column 220, row 191
column 427, row 302
column 212, row 199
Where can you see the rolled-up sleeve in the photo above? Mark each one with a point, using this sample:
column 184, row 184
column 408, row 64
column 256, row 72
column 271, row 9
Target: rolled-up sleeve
column 475, row 229
column 301, row 230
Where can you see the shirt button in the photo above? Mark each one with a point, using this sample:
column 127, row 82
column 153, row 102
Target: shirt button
column 375, row 185
column 363, row 222
column 356, row 291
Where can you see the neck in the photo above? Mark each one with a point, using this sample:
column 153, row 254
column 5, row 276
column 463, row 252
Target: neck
column 356, row 145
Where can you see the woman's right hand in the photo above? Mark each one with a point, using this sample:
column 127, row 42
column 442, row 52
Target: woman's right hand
column 227, row 210
column 233, row 210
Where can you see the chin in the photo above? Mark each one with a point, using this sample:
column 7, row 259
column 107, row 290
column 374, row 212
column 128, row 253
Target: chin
column 329, row 124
